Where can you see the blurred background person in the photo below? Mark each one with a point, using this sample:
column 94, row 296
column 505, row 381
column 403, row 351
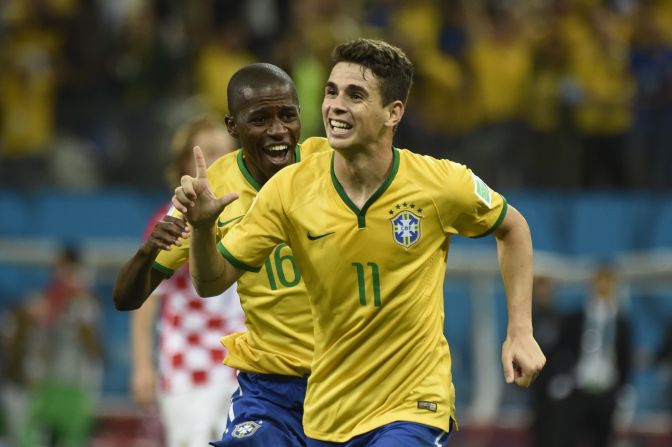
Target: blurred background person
column 29, row 55
column 547, row 323
column 651, row 66
column 663, row 361
column 15, row 363
column 187, row 376
column 594, row 357
column 604, row 90
column 68, row 364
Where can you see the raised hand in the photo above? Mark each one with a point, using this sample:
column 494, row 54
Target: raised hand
column 522, row 360
column 194, row 197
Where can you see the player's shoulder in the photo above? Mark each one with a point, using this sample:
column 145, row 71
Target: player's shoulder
column 224, row 163
column 432, row 166
column 308, row 171
column 224, row 173
column 314, row 145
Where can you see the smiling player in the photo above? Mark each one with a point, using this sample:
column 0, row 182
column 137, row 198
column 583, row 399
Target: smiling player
column 370, row 226
column 274, row 354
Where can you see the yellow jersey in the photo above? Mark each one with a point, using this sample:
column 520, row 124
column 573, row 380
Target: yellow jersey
column 279, row 336
column 375, row 281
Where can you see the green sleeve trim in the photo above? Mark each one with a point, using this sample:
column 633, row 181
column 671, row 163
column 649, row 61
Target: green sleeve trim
column 164, row 270
column 235, row 262
column 500, row 219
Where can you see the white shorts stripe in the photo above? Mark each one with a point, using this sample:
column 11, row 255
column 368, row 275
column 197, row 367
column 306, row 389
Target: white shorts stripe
column 438, row 442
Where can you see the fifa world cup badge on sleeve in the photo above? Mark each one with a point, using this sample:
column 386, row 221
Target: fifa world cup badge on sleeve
column 405, row 222
column 482, row 191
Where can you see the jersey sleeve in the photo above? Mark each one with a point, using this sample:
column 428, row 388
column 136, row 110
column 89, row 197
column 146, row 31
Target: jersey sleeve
column 471, row 208
column 168, row 261
column 251, row 241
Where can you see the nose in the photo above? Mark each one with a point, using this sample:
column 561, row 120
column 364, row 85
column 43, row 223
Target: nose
column 277, row 128
column 335, row 103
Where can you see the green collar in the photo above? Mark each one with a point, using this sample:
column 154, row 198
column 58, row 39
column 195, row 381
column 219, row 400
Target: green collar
column 246, row 173
column 361, row 214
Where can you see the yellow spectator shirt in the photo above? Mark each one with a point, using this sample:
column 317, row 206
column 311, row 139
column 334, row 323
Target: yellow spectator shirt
column 279, row 336
column 375, row 282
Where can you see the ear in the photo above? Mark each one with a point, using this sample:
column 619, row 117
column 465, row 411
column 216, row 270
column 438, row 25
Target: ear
column 231, row 126
column 395, row 110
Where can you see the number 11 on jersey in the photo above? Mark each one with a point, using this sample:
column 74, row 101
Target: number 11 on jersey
column 361, row 282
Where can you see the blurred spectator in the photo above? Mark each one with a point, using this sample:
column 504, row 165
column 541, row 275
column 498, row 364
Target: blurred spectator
column 93, row 83
column 69, row 364
column 29, row 56
column 225, row 53
column 441, row 109
column 651, row 65
column 663, row 359
column 603, row 94
column 15, row 334
column 547, row 323
column 551, row 96
column 268, row 20
column 324, row 24
column 302, row 61
column 500, row 60
column 591, row 365
column 192, row 385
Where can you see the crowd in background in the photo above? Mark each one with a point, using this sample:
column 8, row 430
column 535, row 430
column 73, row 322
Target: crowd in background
column 571, row 94
column 51, row 365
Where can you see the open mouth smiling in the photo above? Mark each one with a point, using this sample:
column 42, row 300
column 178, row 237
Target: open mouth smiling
column 338, row 126
column 277, row 152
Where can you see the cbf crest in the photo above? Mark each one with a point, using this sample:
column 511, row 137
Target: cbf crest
column 406, row 219
column 245, row 429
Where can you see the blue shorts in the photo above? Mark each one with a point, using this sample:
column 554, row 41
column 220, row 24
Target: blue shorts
column 266, row 410
column 396, row 434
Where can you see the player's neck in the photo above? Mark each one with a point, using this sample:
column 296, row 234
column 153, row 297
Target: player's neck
column 361, row 172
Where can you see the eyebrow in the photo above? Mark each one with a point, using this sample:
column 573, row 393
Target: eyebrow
column 264, row 109
column 350, row 88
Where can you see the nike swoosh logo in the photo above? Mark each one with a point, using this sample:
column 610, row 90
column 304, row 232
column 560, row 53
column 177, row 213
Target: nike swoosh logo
column 319, row 236
column 220, row 224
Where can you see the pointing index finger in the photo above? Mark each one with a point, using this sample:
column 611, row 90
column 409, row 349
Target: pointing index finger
column 201, row 167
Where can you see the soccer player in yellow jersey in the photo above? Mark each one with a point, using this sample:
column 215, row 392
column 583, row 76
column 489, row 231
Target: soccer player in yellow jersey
column 370, row 227
column 274, row 354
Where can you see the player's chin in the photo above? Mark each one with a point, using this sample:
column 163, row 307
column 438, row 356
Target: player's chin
column 338, row 141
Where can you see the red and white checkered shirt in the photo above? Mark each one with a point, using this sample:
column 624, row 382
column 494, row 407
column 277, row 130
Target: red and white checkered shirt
column 190, row 327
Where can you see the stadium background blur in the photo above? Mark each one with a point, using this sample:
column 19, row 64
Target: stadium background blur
column 565, row 106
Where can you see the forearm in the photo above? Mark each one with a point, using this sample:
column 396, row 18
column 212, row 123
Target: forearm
column 210, row 273
column 143, row 378
column 514, row 250
column 133, row 284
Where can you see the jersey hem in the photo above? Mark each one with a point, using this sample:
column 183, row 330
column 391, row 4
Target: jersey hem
column 373, row 425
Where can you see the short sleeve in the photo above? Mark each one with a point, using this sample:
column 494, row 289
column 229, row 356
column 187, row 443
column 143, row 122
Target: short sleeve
column 251, row 241
column 469, row 207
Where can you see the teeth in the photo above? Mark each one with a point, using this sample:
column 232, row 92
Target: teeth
column 277, row 148
column 339, row 124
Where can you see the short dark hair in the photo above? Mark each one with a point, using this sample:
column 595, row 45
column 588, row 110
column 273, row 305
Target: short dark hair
column 387, row 62
column 255, row 76
column 69, row 254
